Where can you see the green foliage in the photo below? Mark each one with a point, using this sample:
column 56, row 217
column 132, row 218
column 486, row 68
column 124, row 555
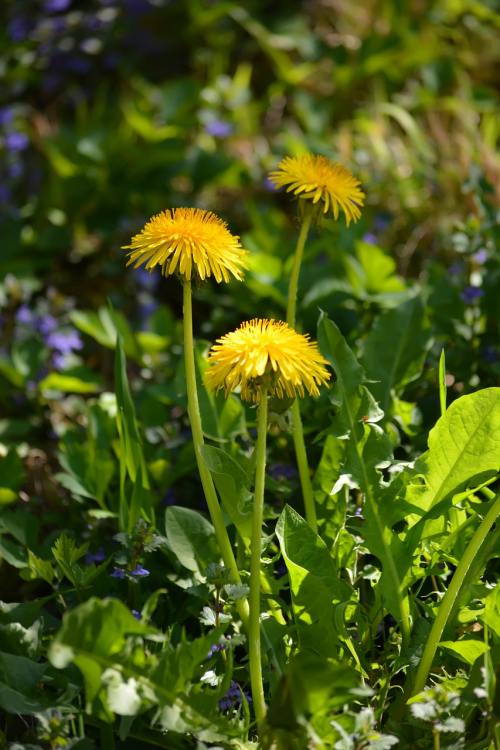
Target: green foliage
column 118, row 629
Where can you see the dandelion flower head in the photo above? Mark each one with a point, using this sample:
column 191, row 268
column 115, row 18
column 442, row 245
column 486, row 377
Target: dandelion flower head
column 191, row 241
column 266, row 353
column 316, row 178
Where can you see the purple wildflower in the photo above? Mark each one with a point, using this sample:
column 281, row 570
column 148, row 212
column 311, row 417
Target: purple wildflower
column 219, row 128
column 471, row 293
column 145, row 279
column 56, row 6
column 18, row 29
column 97, row 557
column 217, row 647
column 136, row 614
column 16, row 141
column 139, row 572
column 118, row 573
column 77, row 64
column 282, row 472
column 480, row 257
column 232, row 699
column 381, row 222
column 280, row 569
column 6, row 115
column 268, row 185
column 5, row 194
column 25, row 316
column 15, row 169
column 370, row 238
column 47, row 324
column 64, row 342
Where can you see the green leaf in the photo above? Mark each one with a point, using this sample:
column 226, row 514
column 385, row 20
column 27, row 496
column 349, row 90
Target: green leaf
column 464, row 449
column 191, row 538
column 491, row 614
column 92, row 636
column 19, row 684
column 467, row 650
column 68, row 384
column 130, row 440
column 12, row 474
column 314, row 583
column 178, row 664
column 372, row 271
column 104, row 326
column 366, row 449
column 40, row 568
column 66, row 554
column 395, row 349
column 104, row 640
column 140, row 503
column 13, row 553
column 232, row 483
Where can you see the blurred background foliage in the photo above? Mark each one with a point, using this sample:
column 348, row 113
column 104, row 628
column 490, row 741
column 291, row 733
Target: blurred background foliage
column 112, row 111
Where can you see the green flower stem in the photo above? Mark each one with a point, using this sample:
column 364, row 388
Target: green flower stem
column 449, row 598
column 297, row 430
column 258, row 511
column 297, row 262
column 198, row 443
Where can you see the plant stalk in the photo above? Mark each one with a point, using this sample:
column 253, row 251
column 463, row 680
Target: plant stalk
column 297, row 262
column 198, row 443
column 297, row 429
column 449, row 598
column 258, row 512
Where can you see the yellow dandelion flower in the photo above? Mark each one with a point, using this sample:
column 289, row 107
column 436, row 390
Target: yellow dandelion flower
column 270, row 353
column 190, row 241
column 317, row 178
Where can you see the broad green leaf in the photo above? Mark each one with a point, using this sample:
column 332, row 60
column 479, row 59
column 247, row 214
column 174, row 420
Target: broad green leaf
column 68, row 384
column 320, row 685
column 468, row 650
column 314, row 583
column 13, row 553
column 87, row 458
column 395, row 349
column 464, row 449
column 372, row 271
column 19, row 684
column 92, row 636
column 232, row 483
column 104, row 326
column 103, row 639
column 191, row 538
